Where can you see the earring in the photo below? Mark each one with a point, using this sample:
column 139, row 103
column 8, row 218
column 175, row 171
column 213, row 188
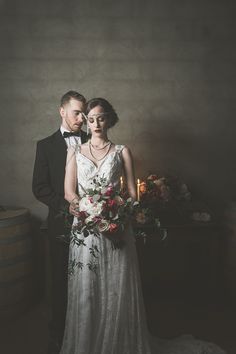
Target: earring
column 86, row 120
column 88, row 129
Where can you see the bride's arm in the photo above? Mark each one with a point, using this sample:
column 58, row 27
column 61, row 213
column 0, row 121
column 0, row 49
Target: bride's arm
column 129, row 172
column 71, row 180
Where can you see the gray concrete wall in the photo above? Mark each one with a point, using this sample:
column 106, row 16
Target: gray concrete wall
column 168, row 67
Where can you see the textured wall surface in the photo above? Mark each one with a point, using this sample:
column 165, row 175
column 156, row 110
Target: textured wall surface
column 168, row 67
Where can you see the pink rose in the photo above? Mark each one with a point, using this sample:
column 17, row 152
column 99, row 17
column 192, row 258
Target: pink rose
column 109, row 191
column 111, row 203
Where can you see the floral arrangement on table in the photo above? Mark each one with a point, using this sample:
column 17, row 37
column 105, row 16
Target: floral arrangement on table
column 170, row 192
column 145, row 223
column 103, row 210
column 163, row 189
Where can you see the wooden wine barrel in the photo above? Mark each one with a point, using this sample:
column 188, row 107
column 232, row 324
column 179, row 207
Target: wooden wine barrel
column 230, row 251
column 16, row 262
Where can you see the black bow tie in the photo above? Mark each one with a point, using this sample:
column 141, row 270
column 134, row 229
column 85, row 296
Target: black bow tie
column 68, row 134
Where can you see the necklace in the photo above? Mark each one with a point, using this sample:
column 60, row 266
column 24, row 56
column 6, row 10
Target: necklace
column 99, row 148
column 95, row 158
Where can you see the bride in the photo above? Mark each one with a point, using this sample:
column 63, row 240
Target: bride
column 105, row 313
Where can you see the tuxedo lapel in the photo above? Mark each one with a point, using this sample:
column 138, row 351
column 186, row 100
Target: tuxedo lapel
column 60, row 146
column 59, row 155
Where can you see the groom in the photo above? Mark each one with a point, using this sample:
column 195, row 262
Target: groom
column 48, row 188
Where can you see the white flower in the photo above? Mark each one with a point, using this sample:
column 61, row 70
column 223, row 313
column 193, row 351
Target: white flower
column 196, row 216
column 92, row 208
column 159, row 182
column 201, row 216
column 84, row 204
column 183, row 188
column 96, row 208
column 205, row 217
column 103, row 226
column 88, row 219
column 96, row 197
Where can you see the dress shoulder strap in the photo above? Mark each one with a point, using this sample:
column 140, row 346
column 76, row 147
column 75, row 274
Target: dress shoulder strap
column 119, row 148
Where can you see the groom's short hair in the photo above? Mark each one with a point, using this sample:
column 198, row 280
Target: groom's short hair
column 72, row 94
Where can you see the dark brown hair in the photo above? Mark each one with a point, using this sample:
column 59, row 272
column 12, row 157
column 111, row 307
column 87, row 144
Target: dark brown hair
column 72, row 94
column 111, row 114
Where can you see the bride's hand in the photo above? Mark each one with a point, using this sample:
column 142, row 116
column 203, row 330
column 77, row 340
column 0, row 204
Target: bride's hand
column 74, row 207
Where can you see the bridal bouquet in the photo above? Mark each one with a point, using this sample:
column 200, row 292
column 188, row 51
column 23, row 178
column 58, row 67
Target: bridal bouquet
column 103, row 210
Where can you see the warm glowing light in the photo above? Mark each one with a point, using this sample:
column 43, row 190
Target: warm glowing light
column 121, row 183
column 138, row 189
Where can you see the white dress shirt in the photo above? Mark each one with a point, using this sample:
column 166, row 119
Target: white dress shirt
column 71, row 140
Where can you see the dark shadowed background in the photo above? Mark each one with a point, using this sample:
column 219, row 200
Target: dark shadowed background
column 168, row 67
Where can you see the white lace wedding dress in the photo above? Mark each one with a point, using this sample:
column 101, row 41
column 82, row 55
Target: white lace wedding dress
column 105, row 313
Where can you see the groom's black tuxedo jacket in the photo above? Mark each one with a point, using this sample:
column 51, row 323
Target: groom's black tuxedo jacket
column 49, row 173
column 48, row 188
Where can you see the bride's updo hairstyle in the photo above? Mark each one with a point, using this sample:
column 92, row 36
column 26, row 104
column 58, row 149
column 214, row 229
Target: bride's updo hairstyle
column 111, row 115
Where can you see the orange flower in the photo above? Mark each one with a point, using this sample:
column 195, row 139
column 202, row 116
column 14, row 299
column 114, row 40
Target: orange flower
column 113, row 227
column 143, row 187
